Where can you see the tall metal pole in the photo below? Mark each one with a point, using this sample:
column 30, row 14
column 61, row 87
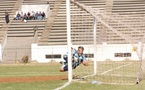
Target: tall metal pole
column 69, row 40
column 95, row 50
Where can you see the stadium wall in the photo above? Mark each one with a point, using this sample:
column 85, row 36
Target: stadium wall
column 35, row 8
column 114, row 52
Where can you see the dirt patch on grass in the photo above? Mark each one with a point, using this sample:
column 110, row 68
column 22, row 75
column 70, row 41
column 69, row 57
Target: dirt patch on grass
column 32, row 79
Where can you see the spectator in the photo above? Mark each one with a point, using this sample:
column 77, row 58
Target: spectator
column 22, row 15
column 7, row 17
column 40, row 16
column 43, row 16
column 33, row 15
column 18, row 16
column 28, row 16
column 25, row 17
column 36, row 16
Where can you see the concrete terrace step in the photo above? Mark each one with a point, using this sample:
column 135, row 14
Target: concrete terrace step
column 18, row 28
column 58, row 40
column 57, row 37
column 27, row 25
column 28, row 2
column 23, row 28
column 30, row 21
column 21, row 34
column 52, row 43
column 32, row 2
column 59, row 31
column 124, row 7
column 7, row 7
column 24, row 34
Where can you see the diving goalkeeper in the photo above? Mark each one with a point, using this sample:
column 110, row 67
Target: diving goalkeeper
column 77, row 58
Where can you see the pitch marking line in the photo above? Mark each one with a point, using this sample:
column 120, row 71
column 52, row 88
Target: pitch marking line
column 116, row 68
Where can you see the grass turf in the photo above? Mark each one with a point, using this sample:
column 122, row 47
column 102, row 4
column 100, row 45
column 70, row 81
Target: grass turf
column 50, row 69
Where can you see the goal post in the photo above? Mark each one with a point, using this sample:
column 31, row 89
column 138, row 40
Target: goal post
column 69, row 40
column 110, row 46
column 141, row 73
column 95, row 44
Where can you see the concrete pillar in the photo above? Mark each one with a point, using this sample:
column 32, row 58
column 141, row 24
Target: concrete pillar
column 108, row 6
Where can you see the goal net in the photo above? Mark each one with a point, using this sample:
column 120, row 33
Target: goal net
column 113, row 46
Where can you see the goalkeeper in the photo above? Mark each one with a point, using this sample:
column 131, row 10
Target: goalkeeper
column 77, row 58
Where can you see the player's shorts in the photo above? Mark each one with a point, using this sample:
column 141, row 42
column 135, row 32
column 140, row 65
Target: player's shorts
column 65, row 68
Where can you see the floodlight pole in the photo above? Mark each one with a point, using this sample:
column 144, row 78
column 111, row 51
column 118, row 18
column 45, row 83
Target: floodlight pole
column 69, row 40
column 95, row 48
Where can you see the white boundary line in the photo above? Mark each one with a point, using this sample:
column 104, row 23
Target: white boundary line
column 65, row 85
column 116, row 68
column 68, row 83
column 85, row 77
column 106, row 71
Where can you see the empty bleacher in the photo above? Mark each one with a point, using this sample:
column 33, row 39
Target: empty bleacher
column 129, row 7
column 22, row 29
column 120, row 8
column 5, row 6
column 47, row 38
column 125, row 16
column 58, row 32
column 93, row 3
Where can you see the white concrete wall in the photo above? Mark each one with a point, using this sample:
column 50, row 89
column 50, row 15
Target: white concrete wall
column 35, row 8
column 39, row 52
column 104, row 52
column 108, row 52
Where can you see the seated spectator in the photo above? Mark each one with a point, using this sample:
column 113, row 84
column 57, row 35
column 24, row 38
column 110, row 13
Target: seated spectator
column 43, row 16
column 36, row 16
column 25, row 17
column 28, row 16
column 18, row 16
column 22, row 16
column 40, row 16
column 33, row 15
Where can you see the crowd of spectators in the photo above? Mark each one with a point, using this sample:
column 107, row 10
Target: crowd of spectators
column 30, row 16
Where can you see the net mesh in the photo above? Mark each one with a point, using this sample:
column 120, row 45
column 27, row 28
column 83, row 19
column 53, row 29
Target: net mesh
column 118, row 37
